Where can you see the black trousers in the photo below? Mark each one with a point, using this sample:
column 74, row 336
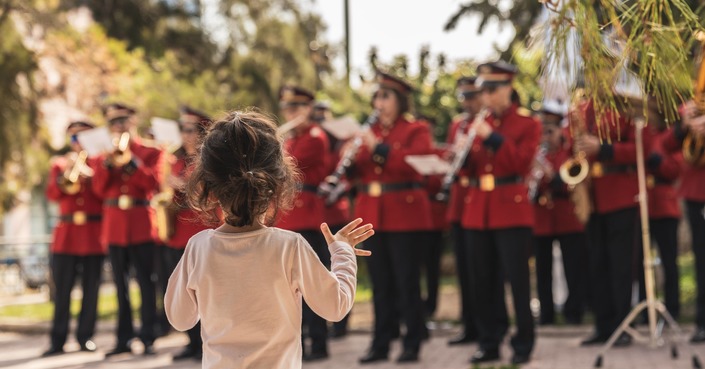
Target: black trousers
column 696, row 218
column 64, row 270
column 317, row 326
column 340, row 327
column 169, row 259
column 141, row 257
column 492, row 255
column 664, row 232
column 613, row 250
column 431, row 252
column 574, row 251
column 394, row 271
column 464, row 280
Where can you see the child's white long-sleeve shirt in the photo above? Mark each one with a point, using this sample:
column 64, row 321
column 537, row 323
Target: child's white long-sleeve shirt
column 246, row 289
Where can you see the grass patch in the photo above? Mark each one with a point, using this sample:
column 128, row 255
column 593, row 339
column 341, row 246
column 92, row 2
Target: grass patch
column 107, row 308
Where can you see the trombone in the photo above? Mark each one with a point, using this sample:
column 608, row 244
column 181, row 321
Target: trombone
column 122, row 154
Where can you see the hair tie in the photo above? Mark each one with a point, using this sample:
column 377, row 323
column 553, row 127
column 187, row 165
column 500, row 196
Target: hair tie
column 250, row 174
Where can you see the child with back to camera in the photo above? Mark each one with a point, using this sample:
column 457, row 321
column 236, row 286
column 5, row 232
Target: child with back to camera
column 245, row 280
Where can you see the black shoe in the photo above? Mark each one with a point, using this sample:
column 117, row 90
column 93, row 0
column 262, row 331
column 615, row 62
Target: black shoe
column 595, row 339
column 52, row 351
column 483, row 356
column 374, row 356
column 148, row 349
column 408, row 356
column 315, row 356
column 88, row 346
column 462, row 339
column 187, row 353
column 520, row 359
column 623, row 341
column 699, row 336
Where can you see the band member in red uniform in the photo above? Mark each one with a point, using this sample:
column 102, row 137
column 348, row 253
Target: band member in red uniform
column 337, row 215
column 308, row 145
column 556, row 221
column 76, row 243
column 392, row 198
column 614, row 225
column 664, row 169
column 127, row 179
column 498, row 216
column 187, row 222
column 693, row 192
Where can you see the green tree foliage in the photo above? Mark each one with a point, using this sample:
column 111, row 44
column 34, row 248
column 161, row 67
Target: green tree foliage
column 19, row 127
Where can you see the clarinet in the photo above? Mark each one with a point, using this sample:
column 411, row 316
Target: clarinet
column 459, row 159
column 332, row 188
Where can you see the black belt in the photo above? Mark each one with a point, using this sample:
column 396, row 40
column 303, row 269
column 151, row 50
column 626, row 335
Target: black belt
column 377, row 188
column 80, row 218
column 498, row 181
column 603, row 169
column 308, row 188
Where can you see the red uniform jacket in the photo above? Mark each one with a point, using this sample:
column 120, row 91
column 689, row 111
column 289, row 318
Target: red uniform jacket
column 406, row 208
column 187, row 221
column 138, row 180
column 555, row 212
column 617, row 187
column 310, row 149
column 663, row 171
column 70, row 236
column 507, row 153
column 693, row 178
column 459, row 189
column 338, row 213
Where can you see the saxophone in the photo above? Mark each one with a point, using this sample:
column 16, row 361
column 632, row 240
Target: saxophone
column 694, row 145
column 163, row 202
column 575, row 170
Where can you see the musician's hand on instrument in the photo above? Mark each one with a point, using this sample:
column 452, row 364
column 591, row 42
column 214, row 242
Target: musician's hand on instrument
column 351, row 234
column 589, row 144
column 483, row 129
column 369, row 139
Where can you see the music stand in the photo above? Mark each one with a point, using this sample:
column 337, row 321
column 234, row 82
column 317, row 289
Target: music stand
column 652, row 305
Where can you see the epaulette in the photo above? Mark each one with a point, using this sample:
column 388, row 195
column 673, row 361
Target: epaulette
column 409, row 117
column 524, row 112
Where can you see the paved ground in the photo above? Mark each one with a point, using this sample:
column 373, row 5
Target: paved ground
column 557, row 348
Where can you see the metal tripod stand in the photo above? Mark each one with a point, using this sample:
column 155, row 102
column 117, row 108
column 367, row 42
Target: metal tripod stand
column 651, row 305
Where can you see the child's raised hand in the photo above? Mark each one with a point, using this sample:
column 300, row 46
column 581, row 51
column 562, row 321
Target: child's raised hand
column 351, row 234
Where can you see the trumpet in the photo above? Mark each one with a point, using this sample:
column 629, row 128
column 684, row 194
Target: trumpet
column 122, row 154
column 332, row 188
column 574, row 173
column 459, row 158
column 70, row 181
column 289, row 126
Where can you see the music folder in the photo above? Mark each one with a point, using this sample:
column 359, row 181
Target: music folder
column 166, row 132
column 96, row 141
column 428, row 165
column 342, row 128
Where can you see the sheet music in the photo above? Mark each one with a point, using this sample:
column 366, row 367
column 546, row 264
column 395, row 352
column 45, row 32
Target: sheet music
column 342, row 128
column 166, row 132
column 96, row 141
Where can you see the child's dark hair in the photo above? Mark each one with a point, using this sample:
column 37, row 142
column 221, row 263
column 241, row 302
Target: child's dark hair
column 242, row 168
